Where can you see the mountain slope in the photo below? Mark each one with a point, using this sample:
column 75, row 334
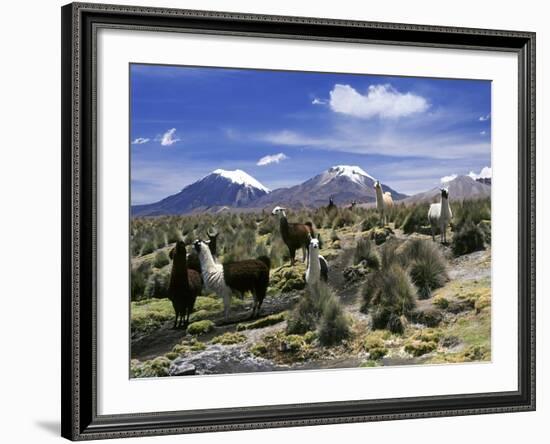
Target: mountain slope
column 460, row 188
column 343, row 183
column 219, row 188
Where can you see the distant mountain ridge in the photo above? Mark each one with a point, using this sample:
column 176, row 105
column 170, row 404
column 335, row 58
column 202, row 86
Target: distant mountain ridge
column 219, row 188
column 460, row 188
column 224, row 190
column 344, row 183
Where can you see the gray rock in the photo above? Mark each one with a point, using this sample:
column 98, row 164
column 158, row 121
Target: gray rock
column 220, row 359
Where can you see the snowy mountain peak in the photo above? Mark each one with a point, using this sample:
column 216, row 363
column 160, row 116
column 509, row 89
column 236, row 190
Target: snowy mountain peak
column 242, row 178
column 354, row 173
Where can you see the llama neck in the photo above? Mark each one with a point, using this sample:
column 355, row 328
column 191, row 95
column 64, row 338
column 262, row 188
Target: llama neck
column 313, row 258
column 379, row 197
column 445, row 208
column 283, row 225
column 206, row 259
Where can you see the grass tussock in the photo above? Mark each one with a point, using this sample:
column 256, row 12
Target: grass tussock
column 366, row 251
column 322, row 312
column 389, row 295
column 427, row 266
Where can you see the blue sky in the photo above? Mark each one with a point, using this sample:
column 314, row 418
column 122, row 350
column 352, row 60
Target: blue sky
column 285, row 127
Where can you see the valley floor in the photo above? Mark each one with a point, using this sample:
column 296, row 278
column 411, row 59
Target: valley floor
column 452, row 326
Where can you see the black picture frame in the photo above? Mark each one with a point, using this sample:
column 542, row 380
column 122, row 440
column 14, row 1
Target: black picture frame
column 80, row 420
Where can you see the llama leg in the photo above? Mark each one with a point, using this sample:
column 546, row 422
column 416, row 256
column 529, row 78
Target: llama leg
column 292, row 256
column 433, row 232
column 304, row 254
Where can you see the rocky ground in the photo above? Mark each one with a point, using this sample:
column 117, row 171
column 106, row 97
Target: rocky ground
column 451, row 326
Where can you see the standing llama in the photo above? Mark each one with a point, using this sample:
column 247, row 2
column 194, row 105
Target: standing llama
column 185, row 285
column 384, row 202
column 440, row 215
column 295, row 235
column 240, row 276
column 317, row 266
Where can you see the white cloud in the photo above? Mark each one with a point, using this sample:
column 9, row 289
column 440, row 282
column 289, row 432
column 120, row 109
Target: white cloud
column 382, row 101
column 140, row 141
column 484, row 118
column 272, row 158
column 399, row 143
column 317, row 101
column 448, row 178
column 485, row 173
column 483, row 133
column 168, row 138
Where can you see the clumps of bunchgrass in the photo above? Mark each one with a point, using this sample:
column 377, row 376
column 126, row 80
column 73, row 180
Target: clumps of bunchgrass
column 157, row 284
column 161, row 259
column 263, row 322
column 200, row 327
column 345, row 218
column 468, row 239
column 427, row 266
column 157, row 367
column 366, row 251
column 389, row 296
column 320, row 310
column 416, row 218
column 371, row 221
column 229, row 338
column 138, row 280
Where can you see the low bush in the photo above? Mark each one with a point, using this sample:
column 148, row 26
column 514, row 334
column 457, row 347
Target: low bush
column 427, row 266
column 161, row 259
column 157, row 284
column 229, row 338
column 365, row 251
column 468, row 239
column 320, row 311
column 389, row 294
column 200, row 327
column 415, row 219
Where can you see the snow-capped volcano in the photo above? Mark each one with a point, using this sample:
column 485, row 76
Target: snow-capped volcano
column 344, row 183
column 354, row 173
column 242, row 178
column 219, row 188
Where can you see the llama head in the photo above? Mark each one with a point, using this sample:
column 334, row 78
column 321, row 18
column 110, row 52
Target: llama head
column 445, row 193
column 330, row 201
column 377, row 184
column 212, row 233
column 279, row 211
column 314, row 243
column 179, row 249
column 200, row 245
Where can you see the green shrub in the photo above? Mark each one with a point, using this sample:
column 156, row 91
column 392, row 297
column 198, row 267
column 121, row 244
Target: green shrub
column 303, row 317
column 138, row 280
column 345, row 218
column 334, row 325
column 365, row 251
column 263, row 322
column 389, row 294
column 371, row 221
column 426, row 265
column 229, row 338
column 161, row 259
column 320, row 311
column 470, row 238
column 157, row 284
column 415, row 219
column 200, row 327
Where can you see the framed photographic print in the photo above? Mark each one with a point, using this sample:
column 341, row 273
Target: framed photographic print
column 278, row 221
